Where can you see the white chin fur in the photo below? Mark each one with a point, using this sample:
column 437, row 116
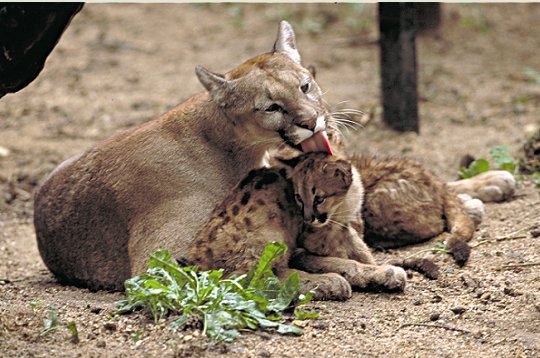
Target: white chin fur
column 320, row 124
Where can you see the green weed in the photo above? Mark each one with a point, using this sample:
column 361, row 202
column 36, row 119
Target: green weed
column 250, row 301
column 52, row 323
column 500, row 156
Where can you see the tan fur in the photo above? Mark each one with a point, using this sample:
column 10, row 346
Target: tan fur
column 262, row 208
column 406, row 204
column 490, row 186
column 330, row 192
column 100, row 214
column 259, row 210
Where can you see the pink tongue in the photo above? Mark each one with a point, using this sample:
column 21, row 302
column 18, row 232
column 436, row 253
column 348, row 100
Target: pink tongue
column 317, row 143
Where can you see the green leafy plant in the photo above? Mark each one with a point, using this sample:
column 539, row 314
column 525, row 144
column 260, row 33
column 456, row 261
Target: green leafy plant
column 476, row 167
column 72, row 327
column 52, row 323
column 500, row 156
column 250, row 301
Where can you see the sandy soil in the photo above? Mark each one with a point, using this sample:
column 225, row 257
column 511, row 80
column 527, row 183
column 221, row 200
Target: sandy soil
column 119, row 65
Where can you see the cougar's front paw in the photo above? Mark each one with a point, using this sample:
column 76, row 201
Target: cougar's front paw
column 491, row 186
column 329, row 286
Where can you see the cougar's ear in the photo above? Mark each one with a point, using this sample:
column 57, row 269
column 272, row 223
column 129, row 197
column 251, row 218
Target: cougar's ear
column 286, row 42
column 313, row 70
column 217, row 85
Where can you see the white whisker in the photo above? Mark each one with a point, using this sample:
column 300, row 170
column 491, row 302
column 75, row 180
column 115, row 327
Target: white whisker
column 334, row 222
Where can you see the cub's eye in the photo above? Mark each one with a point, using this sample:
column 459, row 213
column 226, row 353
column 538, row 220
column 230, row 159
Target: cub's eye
column 298, row 200
column 274, row 108
column 318, row 200
column 305, row 87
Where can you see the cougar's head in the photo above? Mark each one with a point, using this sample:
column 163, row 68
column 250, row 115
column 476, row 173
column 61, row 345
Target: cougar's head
column 272, row 99
column 321, row 186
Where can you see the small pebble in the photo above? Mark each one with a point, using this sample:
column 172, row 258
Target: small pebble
column 434, row 316
column 110, row 326
column 457, row 310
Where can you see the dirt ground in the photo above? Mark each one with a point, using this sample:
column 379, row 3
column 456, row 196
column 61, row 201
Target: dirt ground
column 118, row 65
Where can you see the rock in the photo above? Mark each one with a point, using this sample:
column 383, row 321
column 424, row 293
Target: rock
column 458, row 310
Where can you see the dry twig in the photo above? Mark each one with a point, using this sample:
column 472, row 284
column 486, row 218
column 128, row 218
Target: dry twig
column 433, row 325
column 511, row 266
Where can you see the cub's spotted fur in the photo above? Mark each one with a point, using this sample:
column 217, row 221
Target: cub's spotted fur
column 262, row 208
column 403, row 203
column 406, row 204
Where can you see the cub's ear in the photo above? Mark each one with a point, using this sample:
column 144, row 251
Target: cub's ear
column 217, row 85
column 343, row 171
column 288, row 163
column 286, row 42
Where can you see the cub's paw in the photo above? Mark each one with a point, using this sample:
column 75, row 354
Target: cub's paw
column 475, row 208
column 491, row 186
column 395, row 278
column 387, row 278
column 328, row 286
column 423, row 265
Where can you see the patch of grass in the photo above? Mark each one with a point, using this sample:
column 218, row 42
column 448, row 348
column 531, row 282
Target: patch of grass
column 255, row 300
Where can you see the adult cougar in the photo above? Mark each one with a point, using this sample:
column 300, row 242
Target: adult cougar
column 100, row 214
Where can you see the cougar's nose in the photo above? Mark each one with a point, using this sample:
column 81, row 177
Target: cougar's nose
column 308, row 124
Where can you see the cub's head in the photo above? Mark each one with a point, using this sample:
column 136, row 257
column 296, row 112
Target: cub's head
column 326, row 188
column 272, row 99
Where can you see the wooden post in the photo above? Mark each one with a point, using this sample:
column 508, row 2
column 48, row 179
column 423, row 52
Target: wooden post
column 397, row 24
column 428, row 16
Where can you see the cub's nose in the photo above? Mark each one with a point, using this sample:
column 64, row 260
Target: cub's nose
column 319, row 219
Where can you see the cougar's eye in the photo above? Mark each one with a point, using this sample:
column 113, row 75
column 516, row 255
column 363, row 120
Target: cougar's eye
column 305, row 87
column 274, row 107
